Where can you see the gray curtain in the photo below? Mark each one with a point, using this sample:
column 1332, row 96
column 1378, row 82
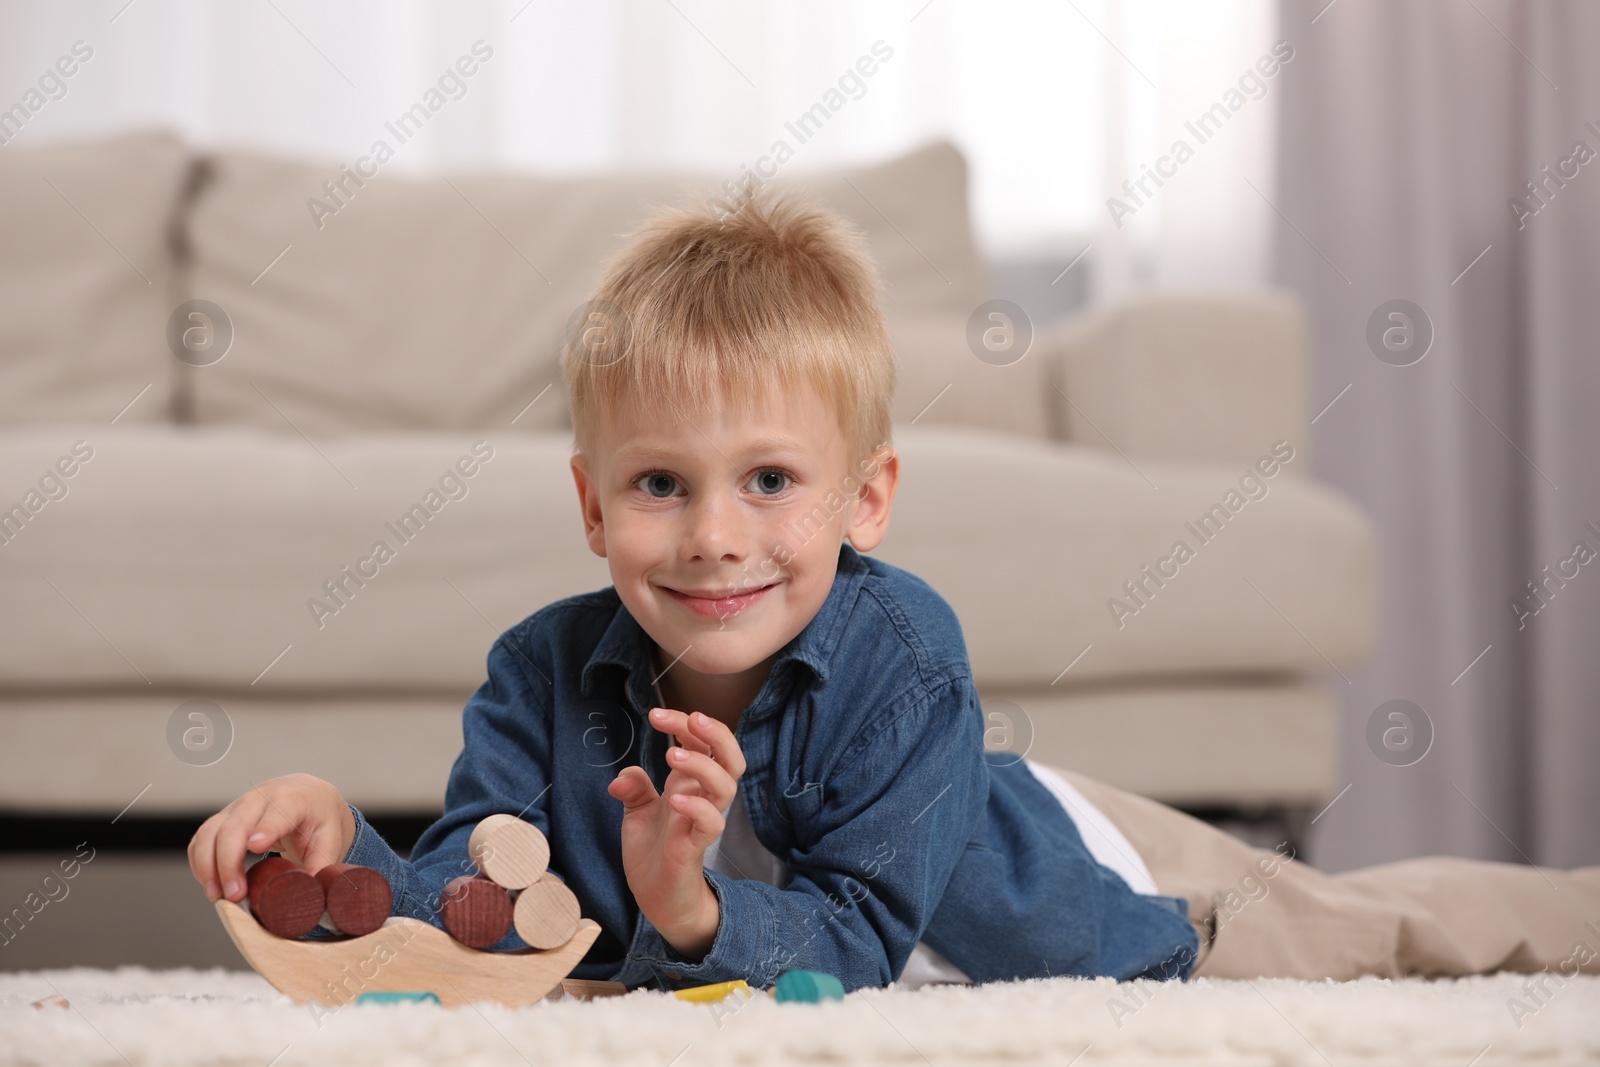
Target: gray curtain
column 1408, row 134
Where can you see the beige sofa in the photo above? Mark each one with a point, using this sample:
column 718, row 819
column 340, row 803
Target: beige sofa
column 370, row 352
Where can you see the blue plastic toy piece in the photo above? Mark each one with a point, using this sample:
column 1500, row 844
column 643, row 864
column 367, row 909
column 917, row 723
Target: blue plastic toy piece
column 808, row 987
column 398, row 998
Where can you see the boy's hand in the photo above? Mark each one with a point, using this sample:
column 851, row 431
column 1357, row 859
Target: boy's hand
column 665, row 836
column 304, row 818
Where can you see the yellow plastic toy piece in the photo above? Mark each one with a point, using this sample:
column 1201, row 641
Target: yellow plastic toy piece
column 710, row 994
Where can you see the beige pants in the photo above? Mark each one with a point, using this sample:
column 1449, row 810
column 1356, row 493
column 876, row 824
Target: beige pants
column 1260, row 915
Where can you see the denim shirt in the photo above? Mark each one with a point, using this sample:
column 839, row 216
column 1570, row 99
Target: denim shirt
column 865, row 773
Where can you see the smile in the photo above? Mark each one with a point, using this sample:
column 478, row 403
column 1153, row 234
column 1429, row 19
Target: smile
column 719, row 607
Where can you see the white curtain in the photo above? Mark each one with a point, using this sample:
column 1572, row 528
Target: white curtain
column 1423, row 149
column 1055, row 104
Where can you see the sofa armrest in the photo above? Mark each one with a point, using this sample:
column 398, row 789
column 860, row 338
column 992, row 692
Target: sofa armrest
column 1213, row 377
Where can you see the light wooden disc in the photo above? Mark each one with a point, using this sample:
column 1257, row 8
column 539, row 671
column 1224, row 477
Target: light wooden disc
column 509, row 851
column 546, row 914
column 583, row 989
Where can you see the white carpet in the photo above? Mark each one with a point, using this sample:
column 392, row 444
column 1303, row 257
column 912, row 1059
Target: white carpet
column 137, row 1016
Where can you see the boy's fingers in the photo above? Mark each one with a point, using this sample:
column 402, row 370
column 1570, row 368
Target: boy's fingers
column 290, row 815
column 682, row 782
column 633, row 787
column 322, row 849
column 705, row 821
column 714, row 780
column 255, row 827
column 203, row 857
column 676, row 724
column 719, row 740
column 212, row 840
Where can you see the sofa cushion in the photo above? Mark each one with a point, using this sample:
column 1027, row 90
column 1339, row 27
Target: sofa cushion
column 196, row 556
column 1208, row 377
column 1033, row 543
column 1190, row 741
column 441, row 303
column 940, row 382
column 913, row 210
column 386, row 752
column 192, row 556
column 86, row 282
column 1205, row 743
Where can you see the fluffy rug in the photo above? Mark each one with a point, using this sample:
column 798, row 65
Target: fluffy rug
column 138, row 1016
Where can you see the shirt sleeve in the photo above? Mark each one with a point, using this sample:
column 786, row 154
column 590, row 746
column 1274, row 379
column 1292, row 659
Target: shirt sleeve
column 503, row 767
column 894, row 819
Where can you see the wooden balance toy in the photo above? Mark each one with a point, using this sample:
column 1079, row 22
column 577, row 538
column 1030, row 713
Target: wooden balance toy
column 403, row 955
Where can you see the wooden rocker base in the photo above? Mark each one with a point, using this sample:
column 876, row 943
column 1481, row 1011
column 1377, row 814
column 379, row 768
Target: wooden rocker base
column 403, row 956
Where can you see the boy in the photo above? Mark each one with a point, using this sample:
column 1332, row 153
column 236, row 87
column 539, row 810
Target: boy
column 788, row 730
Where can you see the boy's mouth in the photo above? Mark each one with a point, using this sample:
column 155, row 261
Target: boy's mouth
column 714, row 604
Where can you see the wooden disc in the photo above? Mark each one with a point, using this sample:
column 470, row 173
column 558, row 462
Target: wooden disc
column 359, row 898
column 476, row 911
column 509, row 851
column 265, row 868
column 546, row 913
column 585, row 989
column 283, row 898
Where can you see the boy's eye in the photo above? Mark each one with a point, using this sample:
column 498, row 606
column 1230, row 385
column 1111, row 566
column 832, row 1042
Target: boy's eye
column 657, row 480
column 771, row 481
column 660, row 485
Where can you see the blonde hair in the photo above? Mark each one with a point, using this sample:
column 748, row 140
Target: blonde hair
column 722, row 303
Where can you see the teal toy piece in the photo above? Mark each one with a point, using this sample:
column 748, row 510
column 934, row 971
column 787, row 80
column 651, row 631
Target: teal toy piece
column 808, row 987
column 398, row 998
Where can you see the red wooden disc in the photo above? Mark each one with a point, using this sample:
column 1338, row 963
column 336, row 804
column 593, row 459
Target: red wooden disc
column 267, row 867
column 283, row 898
column 359, row 898
column 476, row 911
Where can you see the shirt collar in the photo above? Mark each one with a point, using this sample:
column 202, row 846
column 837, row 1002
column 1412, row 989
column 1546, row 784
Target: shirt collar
column 625, row 643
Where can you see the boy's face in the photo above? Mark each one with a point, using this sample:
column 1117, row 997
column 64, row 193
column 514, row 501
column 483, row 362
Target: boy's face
column 739, row 503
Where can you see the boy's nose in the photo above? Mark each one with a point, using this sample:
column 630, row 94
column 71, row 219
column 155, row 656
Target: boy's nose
column 716, row 529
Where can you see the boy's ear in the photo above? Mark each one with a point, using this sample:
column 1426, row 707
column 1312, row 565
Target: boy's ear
column 869, row 521
column 589, row 505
